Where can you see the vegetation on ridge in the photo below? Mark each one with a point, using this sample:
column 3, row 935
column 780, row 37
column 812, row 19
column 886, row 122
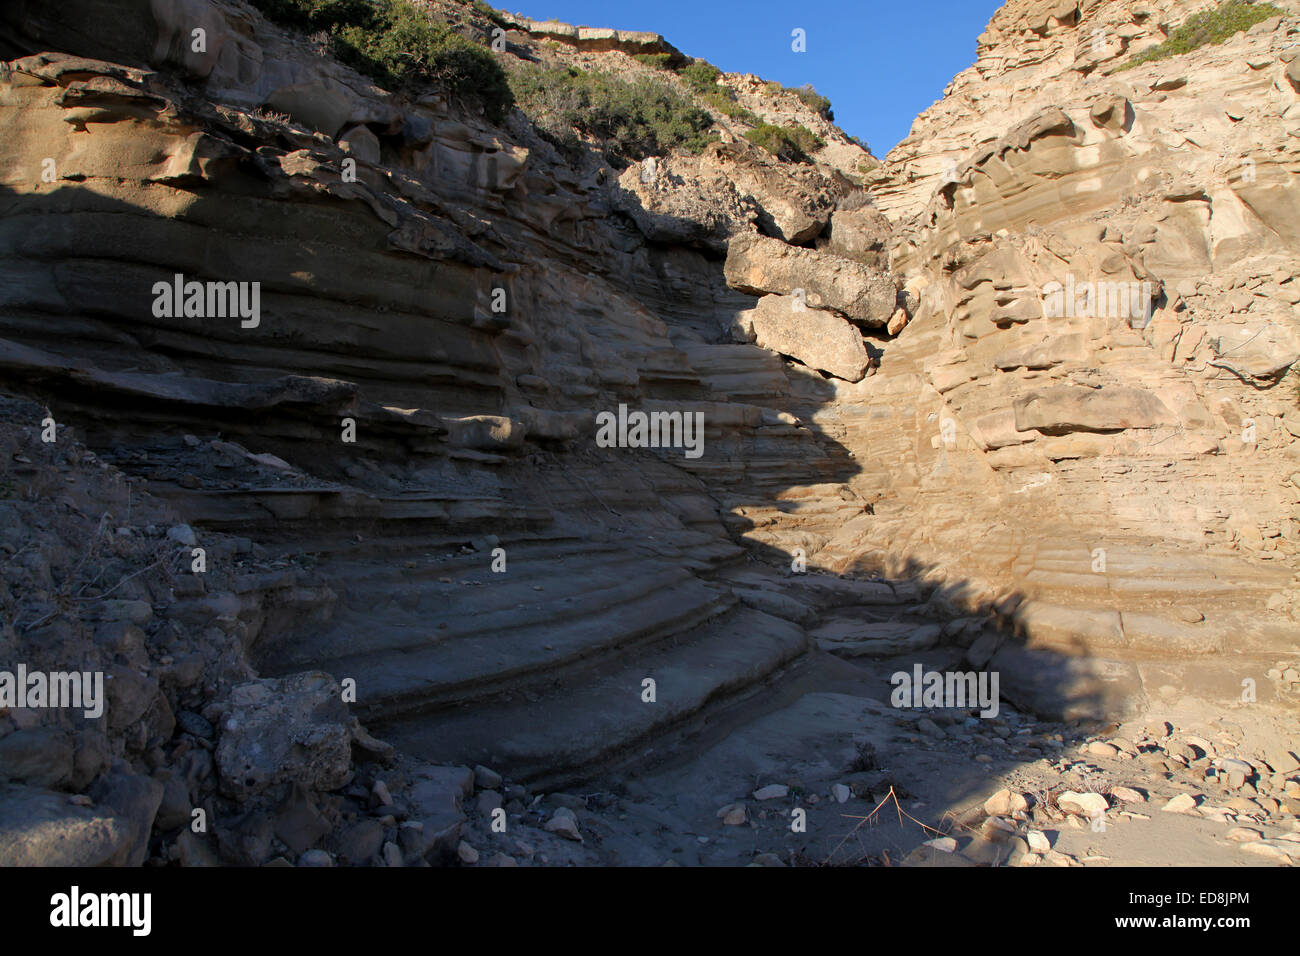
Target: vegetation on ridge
column 395, row 43
column 628, row 118
column 792, row 142
column 1208, row 27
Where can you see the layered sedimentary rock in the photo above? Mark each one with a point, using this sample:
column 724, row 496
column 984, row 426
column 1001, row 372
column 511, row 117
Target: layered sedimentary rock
column 1102, row 351
column 1036, row 410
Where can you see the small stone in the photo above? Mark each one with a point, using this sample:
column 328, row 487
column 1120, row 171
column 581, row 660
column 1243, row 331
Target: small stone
column 1038, row 841
column 733, row 814
column 486, row 779
column 928, row 727
column 1231, row 765
column 768, row 859
column 841, row 793
column 942, row 844
column 1005, row 803
column 183, row 534
column 1082, row 804
column 563, row 822
column 1127, row 795
column 773, row 791
column 1183, row 803
column 1244, row 835
column 466, row 853
column 192, row 723
column 392, row 854
column 315, row 858
column 1099, row 748
column 380, row 790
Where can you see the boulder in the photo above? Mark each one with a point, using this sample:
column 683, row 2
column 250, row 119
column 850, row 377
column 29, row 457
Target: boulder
column 760, row 265
column 815, row 337
column 294, row 728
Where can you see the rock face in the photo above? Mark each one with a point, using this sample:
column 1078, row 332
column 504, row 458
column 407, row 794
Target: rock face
column 1027, row 408
column 1097, row 282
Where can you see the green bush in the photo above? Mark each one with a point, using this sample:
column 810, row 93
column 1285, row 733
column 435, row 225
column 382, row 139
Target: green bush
column 700, row 75
column 395, row 44
column 1207, row 27
column 658, row 61
column 792, row 142
column 724, row 101
column 629, row 118
column 490, row 12
column 814, row 100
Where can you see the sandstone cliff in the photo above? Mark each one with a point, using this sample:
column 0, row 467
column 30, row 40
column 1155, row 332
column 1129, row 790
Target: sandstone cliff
column 392, row 467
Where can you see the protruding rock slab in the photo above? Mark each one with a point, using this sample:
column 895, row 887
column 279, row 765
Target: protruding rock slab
column 815, row 337
column 758, row 265
column 1067, row 408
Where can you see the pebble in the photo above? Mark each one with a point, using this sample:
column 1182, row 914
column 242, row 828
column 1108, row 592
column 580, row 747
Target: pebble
column 1082, row 804
column 315, row 858
column 1127, row 795
column 466, row 853
column 1099, row 748
column 486, row 779
column 1244, row 835
column 841, row 793
column 943, row 844
column 1038, row 841
column 183, row 534
column 772, row 791
column 1183, row 803
column 1005, row 803
column 563, row 823
column 192, row 723
column 928, row 727
column 732, row 815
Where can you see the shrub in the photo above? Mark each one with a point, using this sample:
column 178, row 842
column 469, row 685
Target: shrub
column 792, row 142
column 1207, row 27
column 700, row 75
column 724, row 101
column 395, row 44
column 490, row 12
column 814, row 100
column 631, row 118
column 658, row 61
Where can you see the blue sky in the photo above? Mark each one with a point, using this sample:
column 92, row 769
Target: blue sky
column 880, row 61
